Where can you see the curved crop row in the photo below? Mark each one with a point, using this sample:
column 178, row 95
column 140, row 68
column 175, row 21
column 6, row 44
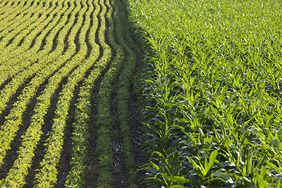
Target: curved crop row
column 12, row 6
column 105, row 146
column 45, row 18
column 22, row 26
column 24, row 50
column 123, row 95
column 19, row 170
column 56, row 58
column 11, row 88
column 12, row 122
column 78, row 161
column 10, row 15
column 55, row 141
column 18, row 68
column 22, row 16
column 43, row 13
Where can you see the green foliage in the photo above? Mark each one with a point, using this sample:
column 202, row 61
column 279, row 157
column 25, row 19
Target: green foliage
column 213, row 91
column 60, row 47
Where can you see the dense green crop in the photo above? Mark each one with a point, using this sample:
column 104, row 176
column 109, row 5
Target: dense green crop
column 213, row 90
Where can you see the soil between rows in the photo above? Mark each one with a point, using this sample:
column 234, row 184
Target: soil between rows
column 119, row 171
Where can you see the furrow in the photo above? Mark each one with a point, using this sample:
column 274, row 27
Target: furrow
column 55, row 140
column 17, row 64
column 18, row 39
column 79, row 156
column 64, row 163
column 16, row 69
column 120, row 174
column 123, row 95
column 135, row 105
column 28, row 31
column 73, row 60
column 48, row 31
column 66, row 44
column 11, row 155
column 15, row 12
column 22, row 47
column 68, row 108
column 123, row 154
column 21, row 17
column 87, row 38
column 77, row 55
column 16, row 142
column 34, row 5
column 13, row 99
column 6, row 141
column 46, row 129
column 6, row 6
column 24, row 28
column 104, row 121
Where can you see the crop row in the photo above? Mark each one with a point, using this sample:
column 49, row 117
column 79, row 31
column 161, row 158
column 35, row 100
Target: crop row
column 213, row 92
column 113, row 103
column 104, row 150
column 40, row 24
column 20, row 19
column 23, row 56
column 65, row 66
column 56, row 58
column 11, row 87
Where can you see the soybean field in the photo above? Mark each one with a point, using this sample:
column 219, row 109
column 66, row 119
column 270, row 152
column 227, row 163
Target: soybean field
column 68, row 95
